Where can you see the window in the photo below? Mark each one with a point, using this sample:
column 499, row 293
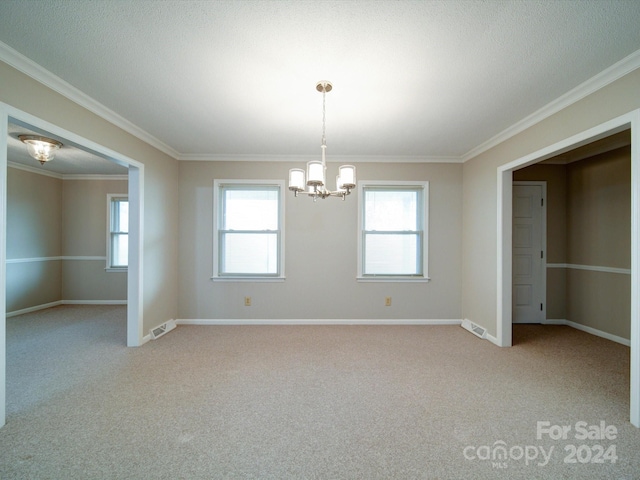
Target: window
column 117, row 232
column 393, row 240
column 248, row 218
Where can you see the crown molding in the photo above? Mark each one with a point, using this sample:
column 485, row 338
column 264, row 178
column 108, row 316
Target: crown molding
column 196, row 157
column 601, row 80
column 37, row 171
column 65, row 176
column 94, row 176
column 27, row 66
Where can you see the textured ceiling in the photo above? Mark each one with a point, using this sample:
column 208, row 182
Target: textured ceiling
column 69, row 160
column 230, row 79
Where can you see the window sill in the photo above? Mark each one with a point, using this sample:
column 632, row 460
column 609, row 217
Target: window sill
column 248, row 279
column 116, row 269
column 398, row 279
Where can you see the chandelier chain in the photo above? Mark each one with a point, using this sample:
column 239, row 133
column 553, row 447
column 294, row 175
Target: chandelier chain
column 324, row 114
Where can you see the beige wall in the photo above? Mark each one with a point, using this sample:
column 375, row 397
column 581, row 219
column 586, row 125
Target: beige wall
column 48, row 217
column 34, row 214
column 599, row 234
column 599, row 210
column 84, row 233
column 321, row 251
column 84, row 215
column 588, row 224
column 160, row 193
column 479, row 250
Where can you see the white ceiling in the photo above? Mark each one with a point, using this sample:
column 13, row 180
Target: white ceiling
column 234, row 80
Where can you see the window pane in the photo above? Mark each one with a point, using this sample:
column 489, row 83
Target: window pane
column 123, row 217
column 119, row 250
column 250, row 209
column 391, row 210
column 391, row 254
column 245, row 253
column 119, row 215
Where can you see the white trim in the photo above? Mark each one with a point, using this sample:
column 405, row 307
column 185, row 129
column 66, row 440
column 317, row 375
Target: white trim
column 217, row 183
column 504, row 211
column 504, row 277
column 108, row 258
column 27, row 66
column 79, row 257
column 35, row 308
column 32, row 260
column 315, row 321
column 65, row 176
column 248, row 279
column 4, row 135
column 94, row 302
column 205, row 157
column 591, row 268
column 601, row 80
column 424, row 210
column 135, row 269
column 591, row 330
column 57, row 303
column 37, row 171
column 51, row 259
column 99, row 177
column 635, row 268
column 394, row 279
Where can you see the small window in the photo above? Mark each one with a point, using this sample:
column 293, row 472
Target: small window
column 393, row 230
column 118, row 232
column 248, row 221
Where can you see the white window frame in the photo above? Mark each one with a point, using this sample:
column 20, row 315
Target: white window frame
column 217, row 212
column 424, row 213
column 111, row 197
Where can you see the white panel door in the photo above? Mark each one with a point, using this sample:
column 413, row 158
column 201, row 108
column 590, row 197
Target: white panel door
column 528, row 255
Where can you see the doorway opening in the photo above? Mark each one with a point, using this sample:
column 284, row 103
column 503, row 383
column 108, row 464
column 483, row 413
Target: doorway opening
column 504, row 236
column 135, row 170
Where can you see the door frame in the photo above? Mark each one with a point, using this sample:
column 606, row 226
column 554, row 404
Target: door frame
column 504, row 226
column 136, row 231
column 543, row 233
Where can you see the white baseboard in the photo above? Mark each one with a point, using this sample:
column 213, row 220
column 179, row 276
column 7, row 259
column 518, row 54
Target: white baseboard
column 44, row 306
column 591, row 330
column 94, row 302
column 35, row 308
column 330, row 321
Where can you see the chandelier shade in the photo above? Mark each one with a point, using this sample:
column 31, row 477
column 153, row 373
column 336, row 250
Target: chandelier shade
column 42, row 149
column 315, row 185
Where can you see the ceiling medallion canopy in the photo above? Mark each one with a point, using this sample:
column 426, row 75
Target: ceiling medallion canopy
column 42, row 149
column 317, row 169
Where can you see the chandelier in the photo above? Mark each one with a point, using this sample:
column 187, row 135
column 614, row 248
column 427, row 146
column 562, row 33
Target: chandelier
column 317, row 169
column 42, row 149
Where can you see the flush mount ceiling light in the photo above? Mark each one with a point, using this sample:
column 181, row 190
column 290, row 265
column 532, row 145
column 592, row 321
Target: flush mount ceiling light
column 317, row 169
column 42, row 149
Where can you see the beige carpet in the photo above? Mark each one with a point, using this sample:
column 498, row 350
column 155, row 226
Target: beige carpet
column 316, row 402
